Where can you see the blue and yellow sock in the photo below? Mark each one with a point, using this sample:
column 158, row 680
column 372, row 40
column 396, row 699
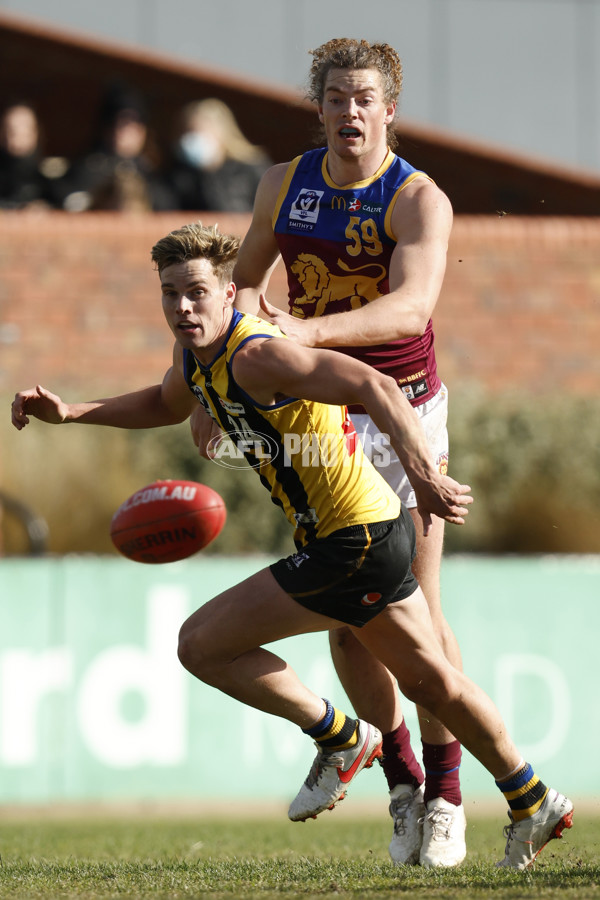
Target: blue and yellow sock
column 524, row 792
column 335, row 731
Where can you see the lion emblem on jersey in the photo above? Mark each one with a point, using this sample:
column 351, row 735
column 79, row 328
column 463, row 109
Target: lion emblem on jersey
column 320, row 286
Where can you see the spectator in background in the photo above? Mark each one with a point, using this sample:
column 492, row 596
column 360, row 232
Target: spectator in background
column 122, row 171
column 23, row 182
column 215, row 167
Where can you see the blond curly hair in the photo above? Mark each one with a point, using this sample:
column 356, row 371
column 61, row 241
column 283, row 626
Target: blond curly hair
column 347, row 53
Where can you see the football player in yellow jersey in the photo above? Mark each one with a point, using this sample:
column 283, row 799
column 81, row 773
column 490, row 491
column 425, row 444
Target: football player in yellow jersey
column 363, row 236
column 358, row 575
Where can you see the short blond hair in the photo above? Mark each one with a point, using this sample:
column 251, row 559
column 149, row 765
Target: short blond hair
column 198, row 241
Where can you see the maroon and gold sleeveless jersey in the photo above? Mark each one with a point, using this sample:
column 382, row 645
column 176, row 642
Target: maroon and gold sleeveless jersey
column 336, row 243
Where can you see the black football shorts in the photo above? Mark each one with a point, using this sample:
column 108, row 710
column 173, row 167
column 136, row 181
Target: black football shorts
column 354, row 573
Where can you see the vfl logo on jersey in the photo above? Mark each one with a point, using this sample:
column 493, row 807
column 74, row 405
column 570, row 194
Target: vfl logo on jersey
column 370, row 599
column 304, row 211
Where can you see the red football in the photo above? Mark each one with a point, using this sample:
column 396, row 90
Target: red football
column 167, row 520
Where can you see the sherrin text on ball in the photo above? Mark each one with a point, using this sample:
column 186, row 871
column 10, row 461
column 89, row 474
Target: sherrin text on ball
column 167, row 520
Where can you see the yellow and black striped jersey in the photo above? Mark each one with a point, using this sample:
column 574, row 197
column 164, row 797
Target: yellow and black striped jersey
column 306, row 453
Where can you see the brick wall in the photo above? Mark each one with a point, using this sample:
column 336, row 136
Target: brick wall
column 521, row 304
column 80, row 309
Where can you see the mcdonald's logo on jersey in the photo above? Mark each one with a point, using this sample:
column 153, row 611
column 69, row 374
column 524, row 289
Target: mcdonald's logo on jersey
column 338, row 202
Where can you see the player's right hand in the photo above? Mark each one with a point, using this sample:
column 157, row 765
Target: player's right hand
column 39, row 403
column 445, row 498
column 298, row 330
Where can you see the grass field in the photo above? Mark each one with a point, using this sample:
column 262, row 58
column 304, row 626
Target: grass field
column 336, row 856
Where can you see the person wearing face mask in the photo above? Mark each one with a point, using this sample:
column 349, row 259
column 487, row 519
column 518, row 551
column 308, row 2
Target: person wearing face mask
column 214, row 167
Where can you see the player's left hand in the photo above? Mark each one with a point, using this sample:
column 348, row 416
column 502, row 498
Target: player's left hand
column 445, row 498
column 297, row 329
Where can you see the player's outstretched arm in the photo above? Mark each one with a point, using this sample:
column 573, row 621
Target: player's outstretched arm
column 150, row 407
column 138, row 409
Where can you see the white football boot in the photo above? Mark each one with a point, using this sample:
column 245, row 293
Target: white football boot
column 407, row 811
column 331, row 773
column 526, row 838
column 444, row 827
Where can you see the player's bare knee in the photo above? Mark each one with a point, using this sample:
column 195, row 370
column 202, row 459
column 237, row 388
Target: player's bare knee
column 185, row 650
column 431, row 687
column 194, row 654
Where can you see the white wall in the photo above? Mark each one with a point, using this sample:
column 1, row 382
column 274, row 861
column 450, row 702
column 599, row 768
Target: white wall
column 523, row 74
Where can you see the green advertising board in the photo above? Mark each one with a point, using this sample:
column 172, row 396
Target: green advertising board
column 94, row 704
